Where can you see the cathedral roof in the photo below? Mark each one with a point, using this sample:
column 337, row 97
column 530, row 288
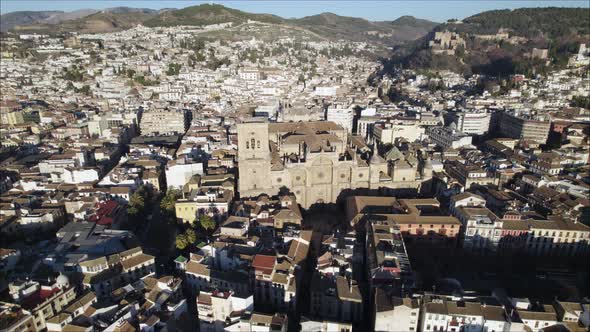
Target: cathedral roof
column 393, row 154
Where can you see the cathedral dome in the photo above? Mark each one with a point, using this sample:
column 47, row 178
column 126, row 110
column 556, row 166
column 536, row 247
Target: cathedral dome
column 62, row 281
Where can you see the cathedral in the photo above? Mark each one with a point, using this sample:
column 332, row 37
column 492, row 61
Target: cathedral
column 316, row 161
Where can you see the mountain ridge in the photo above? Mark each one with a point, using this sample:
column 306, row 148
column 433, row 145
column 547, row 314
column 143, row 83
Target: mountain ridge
column 326, row 24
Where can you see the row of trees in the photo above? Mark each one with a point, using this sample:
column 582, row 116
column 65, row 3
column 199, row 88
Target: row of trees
column 204, row 225
column 168, row 201
column 136, row 209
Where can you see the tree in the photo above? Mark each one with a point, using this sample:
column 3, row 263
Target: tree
column 136, row 202
column 206, row 222
column 580, row 101
column 173, row 69
column 181, row 241
column 191, row 236
column 168, row 202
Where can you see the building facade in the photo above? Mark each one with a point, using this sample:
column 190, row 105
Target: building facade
column 315, row 160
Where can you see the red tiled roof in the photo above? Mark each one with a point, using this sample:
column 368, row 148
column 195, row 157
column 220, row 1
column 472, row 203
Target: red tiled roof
column 38, row 297
column 264, row 263
column 104, row 212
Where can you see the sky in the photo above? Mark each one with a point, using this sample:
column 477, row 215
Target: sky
column 438, row 11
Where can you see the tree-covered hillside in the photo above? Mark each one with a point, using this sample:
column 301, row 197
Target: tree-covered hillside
column 559, row 30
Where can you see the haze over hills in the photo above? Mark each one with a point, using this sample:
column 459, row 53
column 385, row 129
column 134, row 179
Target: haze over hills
column 10, row 20
column 51, row 20
column 327, row 25
column 501, row 42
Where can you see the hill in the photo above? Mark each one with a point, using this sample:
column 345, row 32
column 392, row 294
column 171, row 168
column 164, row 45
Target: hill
column 100, row 22
column 10, row 20
column 500, row 42
column 207, row 14
column 325, row 25
column 351, row 28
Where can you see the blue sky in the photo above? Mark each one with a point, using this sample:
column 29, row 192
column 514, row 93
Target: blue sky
column 373, row 10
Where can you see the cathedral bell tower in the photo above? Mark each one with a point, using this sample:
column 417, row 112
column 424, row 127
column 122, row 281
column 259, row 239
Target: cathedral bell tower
column 253, row 159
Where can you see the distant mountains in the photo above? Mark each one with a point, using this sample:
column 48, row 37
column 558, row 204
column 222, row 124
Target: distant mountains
column 341, row 27
column 328, row 25
column 84, row 20
column 498, row 42
column 10, row 20
column 501, row 42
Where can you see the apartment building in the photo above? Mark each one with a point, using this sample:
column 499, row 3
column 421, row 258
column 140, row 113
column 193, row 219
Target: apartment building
column 164, row 122
column 341, row 115
column 391, row 132
column 393, row 313
column 452, row 316
column 482, row 228
column 448, row 138
column 472, row 123
column 523, row 126
column 419, row 220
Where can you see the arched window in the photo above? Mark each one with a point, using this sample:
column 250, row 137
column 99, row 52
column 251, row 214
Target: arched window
column 253, row 142
column 247, row 145
column 258, row 144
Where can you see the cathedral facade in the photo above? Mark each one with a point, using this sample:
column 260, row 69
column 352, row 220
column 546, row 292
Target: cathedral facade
column 314, row 160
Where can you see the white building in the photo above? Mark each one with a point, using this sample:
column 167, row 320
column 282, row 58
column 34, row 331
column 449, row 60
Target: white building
column 163, row 122
column 310, row 325
column 215, row 309
column 249, row 74
column 341, row 115
column 80, row 175
column 98, row 123
column 472, row 123
column 539, row 319
column 448, row 138
column 452, row 316
column 325, row 91
column 483, row 229
column 179, row 172
column 395, row 314
column 387, row 133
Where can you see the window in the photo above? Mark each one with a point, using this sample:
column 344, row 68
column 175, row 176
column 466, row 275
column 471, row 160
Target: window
column 252, row 142
column 247, row 145
column 258, row 145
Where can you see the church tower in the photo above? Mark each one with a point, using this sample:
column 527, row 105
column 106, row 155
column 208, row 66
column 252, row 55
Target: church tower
column 253, row 159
